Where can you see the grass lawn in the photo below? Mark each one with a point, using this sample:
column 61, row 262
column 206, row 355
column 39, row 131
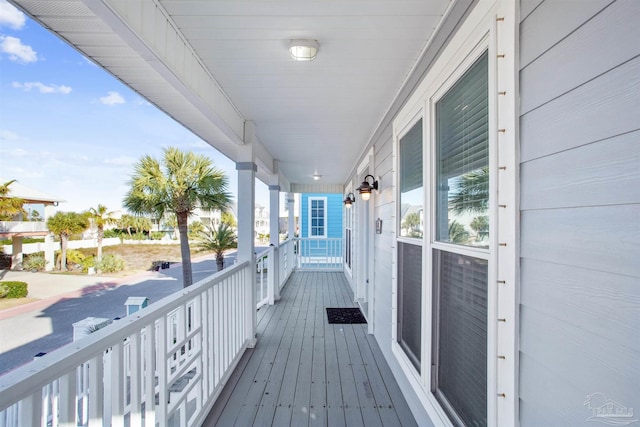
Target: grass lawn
column 139, row 258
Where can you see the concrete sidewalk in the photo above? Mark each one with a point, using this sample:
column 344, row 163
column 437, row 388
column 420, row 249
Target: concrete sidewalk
column 50, row 288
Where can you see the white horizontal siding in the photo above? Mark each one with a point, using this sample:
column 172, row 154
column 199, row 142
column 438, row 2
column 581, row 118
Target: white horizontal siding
column 602, row 173
column 580, row 208
column 602, row 108
column 603, row 36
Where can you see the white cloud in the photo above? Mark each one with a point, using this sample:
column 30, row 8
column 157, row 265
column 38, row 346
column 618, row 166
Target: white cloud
column 120, row 161
column 7, row 135
column 13, row 47
column 10, row 16
column 43, row 88
column 113, row 98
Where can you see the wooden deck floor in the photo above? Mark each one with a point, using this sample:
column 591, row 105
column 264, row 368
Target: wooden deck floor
column 304, row 371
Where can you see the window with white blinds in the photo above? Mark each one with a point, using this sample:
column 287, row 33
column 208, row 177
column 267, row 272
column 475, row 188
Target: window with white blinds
column 411, row 183
column 462, row 160
column 459, row 280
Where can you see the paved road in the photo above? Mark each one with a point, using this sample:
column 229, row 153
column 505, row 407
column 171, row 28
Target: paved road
column 47, row 324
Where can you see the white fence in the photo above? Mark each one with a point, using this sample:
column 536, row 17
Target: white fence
column 165, row 365
column 22, row 227
column 31, row 248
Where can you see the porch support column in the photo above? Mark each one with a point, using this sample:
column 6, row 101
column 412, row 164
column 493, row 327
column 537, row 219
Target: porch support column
column 16, row 254
column 274, row 233
column 247, row 169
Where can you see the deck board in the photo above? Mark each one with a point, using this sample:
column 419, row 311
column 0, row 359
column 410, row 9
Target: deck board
column 306, row 372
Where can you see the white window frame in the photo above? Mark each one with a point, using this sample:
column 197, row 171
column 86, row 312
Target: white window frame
column 309, row 218
column 492, row 26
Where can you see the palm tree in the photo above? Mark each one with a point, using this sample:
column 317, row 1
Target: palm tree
column 472, row 195
column 228, row 218
column 100, row 217
column 457, row 233
column 217, row 240
column 126, row 222
column 9, row 206
column 64, row 224
column 183, row 182
column 411, row 223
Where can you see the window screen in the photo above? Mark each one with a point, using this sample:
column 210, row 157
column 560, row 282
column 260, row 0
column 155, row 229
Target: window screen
column 410, row 300
column 460, row 338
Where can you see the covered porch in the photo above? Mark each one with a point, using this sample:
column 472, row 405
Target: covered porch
column 305, row 371
column 192, row 359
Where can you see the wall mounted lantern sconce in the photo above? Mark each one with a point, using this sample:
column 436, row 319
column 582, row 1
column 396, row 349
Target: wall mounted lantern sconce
column 349, row 200
column 366, row 187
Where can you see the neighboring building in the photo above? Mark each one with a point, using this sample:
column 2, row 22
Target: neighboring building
column 18, row 229
column 262, row 223
column 321, row 219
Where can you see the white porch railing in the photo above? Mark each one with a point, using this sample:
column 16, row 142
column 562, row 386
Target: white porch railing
column 286, row 261
column 23, row 226
column 266, row 288
column 264, row 276
column 165, row 365
column 320, row 254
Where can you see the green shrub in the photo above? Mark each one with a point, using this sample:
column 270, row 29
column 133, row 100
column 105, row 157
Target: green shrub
column 136, row 236
column 157, row 235
column 87, row 263
column 16, row 289
column 4, row 290
column 110, row 263
column 34, row 261
column 113, row 233
column 74, row 258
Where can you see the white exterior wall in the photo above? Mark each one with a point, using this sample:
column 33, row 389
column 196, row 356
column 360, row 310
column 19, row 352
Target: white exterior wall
column 580, row 209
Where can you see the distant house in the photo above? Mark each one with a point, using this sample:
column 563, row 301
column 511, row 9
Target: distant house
column 321, row 219
column 321, row 215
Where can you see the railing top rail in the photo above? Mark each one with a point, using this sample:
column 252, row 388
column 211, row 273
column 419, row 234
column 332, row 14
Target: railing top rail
column 19, row 383
column 264, row 252
column 286, row 242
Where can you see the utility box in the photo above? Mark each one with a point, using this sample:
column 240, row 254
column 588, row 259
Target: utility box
column 134, row 304
column 88, row 325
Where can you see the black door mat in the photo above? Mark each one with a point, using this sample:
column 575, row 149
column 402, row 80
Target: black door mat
column 343, row 315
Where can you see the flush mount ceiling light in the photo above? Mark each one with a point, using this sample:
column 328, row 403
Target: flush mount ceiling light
column 304, row 50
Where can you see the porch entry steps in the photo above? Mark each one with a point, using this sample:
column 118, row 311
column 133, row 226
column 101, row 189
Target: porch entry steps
column 306, row 371
column 345, row 315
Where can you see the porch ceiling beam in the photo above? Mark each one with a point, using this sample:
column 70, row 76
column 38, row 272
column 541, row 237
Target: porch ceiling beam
column 129, row 19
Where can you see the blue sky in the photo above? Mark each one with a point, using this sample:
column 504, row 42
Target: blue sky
column 70, row 129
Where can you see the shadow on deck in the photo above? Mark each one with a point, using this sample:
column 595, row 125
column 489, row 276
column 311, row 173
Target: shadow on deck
column 305, row 371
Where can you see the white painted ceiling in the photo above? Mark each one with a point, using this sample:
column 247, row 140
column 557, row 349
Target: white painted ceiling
column 313, row 117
